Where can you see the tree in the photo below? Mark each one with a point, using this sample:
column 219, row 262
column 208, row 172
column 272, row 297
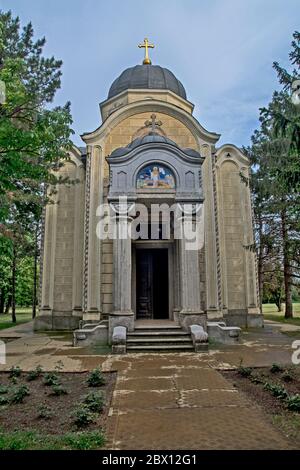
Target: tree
column 274, row 155
column 33, row 138
column 34, row 143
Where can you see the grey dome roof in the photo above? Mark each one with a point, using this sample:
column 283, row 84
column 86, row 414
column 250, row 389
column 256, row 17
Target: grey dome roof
column 147, row 76
column 151, row 138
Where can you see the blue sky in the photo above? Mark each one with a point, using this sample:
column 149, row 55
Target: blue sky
column 221, row 50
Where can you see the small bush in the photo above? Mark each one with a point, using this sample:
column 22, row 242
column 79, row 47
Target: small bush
column 83, row 416
column 35, row 374
column 3, row 389
column 19, row 393
column 287, row 376
column 51, row 379
column 244, row 371
column 275, row 368
column 293, row 402
column 276, row 390
column 14, row 372
column 95, row 378
column 3, row 400
column 58, row 390
column 44, row 412
column 256, row 379
column 95, row 401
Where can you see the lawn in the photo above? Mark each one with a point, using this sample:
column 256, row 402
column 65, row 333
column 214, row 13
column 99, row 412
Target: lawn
column 23, row 315
column 270, row 313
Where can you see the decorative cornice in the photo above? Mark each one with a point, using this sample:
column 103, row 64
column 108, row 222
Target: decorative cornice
column 199, row 133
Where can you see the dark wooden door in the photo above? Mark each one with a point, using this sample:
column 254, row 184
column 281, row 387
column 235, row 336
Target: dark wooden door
column 144, row 284
column 152, row 293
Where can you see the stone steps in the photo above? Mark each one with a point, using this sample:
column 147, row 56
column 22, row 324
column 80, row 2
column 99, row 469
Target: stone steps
column 155, row 338
column 161, row 348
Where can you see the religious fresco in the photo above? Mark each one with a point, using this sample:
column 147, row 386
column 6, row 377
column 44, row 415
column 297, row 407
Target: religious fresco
column 155, row 176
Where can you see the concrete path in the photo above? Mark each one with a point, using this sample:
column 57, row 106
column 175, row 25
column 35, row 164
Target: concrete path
column 168, row 401
column 178, row 402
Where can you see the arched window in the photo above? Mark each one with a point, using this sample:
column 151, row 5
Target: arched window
column 155, row 176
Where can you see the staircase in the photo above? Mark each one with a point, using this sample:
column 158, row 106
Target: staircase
column 159, row 338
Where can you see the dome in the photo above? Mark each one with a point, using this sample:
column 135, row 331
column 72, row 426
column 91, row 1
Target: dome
column 149, row 76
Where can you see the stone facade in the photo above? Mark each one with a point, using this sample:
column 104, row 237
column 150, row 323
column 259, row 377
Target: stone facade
column 84, row 278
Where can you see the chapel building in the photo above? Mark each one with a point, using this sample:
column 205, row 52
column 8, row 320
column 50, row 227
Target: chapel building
column 149, row 149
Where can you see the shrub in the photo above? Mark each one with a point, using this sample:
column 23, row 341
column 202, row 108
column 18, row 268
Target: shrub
column 44, row 412
column 287, row 376
column 3, row 389
column 83, row 416
column 256, row 379
column 95, row 378
column 51, row 379
column 19, row 393
column 3, row 400
column 275, row 368
column 14, row 372
column 276, row 390
column 293, row 402
column 244, row 371
column 58, row 390
column 95, row 401
column 35, row 374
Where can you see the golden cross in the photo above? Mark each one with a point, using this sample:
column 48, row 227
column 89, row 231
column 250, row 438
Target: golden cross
column 146, row 45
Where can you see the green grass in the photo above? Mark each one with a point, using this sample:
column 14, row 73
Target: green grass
column 23, row 316
column 270, row 313
column 32, row 440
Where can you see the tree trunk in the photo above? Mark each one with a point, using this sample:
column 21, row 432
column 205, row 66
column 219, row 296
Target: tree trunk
column 13, row 287
column 260, row 264
column 8, row 305
column 287, row 273
column 2, row 301
column 36, row 254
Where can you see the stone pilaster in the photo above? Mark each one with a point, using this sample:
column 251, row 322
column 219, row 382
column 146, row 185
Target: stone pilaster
column 191, row 311
column 122, row 314
column 212, row 282
column 93, row 289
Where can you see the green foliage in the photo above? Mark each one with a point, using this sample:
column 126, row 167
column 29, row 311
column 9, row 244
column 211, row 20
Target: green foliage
column 3, row 389
column 293, row 403
column 276, row 390
column 95, row 401
column 287, row 376
column 33, row 138
column 15, row 371
column 51, row 379
column 244, row 371
column 19, row 393
column 32, row 440
column 96, row 378
column 58, row 390
column 83, row 416
column 275, row 368
column 44, row 412
column 4, row 400
column 35, row 374
column 84, row 441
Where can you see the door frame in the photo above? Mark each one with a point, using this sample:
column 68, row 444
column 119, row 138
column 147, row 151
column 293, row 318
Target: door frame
column 154, row 245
